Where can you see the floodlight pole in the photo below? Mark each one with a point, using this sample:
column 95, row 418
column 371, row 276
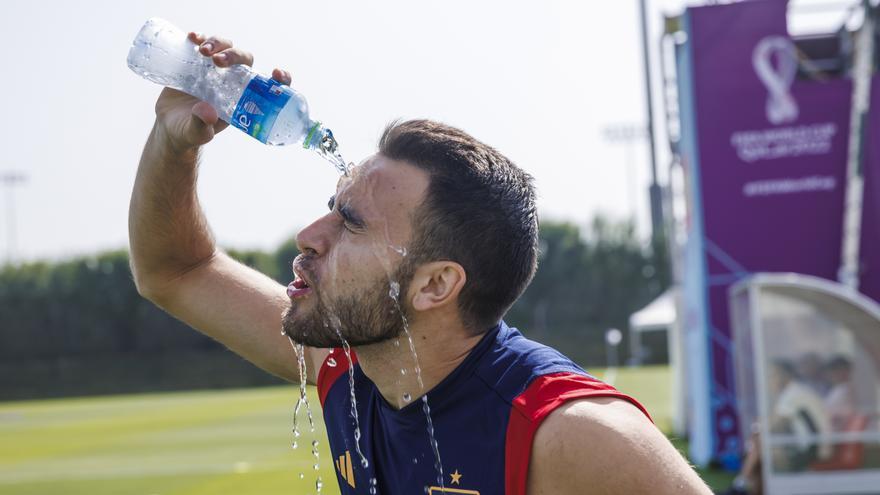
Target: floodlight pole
column 655, row 195
column 628, row 135
column 10, row 180
column 863, row 68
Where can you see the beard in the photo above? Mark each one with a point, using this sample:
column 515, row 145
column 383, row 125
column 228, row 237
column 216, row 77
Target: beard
column 368, row 317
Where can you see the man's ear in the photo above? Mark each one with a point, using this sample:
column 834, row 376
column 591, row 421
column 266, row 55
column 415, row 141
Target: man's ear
column 436, row 284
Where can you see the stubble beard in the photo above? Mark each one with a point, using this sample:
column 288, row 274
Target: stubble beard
column 368, row 317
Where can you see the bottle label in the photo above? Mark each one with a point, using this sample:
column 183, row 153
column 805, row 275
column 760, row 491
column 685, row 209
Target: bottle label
column 259, row 106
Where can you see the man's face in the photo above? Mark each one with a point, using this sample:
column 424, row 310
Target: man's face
column 351, row 256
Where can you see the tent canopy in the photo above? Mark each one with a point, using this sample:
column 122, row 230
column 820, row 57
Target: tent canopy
column 659, row 314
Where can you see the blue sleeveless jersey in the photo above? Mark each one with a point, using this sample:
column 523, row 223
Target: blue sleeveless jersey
column 484, row 415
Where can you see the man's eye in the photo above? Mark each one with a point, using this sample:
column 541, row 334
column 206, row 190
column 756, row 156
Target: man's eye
column 352, row 227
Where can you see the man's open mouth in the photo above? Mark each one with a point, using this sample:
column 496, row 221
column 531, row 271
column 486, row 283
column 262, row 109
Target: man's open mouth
column 298, row 288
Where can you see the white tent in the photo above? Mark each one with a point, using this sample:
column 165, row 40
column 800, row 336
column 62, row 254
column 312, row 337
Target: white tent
column 658, row 315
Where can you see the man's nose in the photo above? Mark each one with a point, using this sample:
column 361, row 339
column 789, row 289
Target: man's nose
column 314, row 239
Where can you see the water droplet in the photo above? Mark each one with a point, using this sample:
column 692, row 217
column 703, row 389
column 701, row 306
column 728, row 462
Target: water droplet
column 316, row 467
column 315, row 444
column 301, row 476
column 402, row 371
column 296, row 433
column 319, row 484
column 407, row 397
column 365, row 463
column 294, row 445
column 415, row 460
column 396, row 342
column 394, row 291
column 331, row 362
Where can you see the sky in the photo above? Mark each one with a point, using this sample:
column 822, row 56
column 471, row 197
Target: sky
column 540, row 81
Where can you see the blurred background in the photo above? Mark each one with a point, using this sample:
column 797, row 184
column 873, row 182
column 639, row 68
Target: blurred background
column 672, row 203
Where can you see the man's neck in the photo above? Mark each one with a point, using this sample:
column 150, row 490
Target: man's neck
column 392, row 367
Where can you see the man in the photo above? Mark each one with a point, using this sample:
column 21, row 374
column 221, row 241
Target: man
column 840, row 403
column 798, row 411
column 437, row 228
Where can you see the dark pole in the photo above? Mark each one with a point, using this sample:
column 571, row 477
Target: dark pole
column 654, row 190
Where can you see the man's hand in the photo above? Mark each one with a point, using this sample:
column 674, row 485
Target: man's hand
column 186, row 122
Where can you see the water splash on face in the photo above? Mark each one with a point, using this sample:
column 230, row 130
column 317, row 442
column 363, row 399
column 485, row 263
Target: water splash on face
column 384, row 250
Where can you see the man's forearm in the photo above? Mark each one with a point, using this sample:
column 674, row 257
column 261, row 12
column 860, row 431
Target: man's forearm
column 168, row 232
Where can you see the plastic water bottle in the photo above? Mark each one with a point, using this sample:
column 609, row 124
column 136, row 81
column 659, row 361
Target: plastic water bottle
column 260, row 106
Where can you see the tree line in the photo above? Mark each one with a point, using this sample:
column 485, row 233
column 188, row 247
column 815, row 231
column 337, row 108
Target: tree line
column 79, row 326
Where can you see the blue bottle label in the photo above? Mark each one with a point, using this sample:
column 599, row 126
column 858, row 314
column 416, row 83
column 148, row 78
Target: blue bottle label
column 259, row 106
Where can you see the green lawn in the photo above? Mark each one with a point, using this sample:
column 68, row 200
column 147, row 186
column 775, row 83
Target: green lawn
column 191, row 443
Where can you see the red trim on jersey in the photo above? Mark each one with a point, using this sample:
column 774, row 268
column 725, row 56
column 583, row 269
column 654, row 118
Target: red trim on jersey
column 531, row 407
column 328, row 375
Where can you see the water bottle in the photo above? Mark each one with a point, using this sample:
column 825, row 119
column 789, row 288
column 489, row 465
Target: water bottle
column 260, row 106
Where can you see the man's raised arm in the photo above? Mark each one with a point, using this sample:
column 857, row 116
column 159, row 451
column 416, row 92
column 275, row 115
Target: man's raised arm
column 175, row 261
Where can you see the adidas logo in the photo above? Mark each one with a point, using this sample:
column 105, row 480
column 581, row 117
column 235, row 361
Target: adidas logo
column 343, row 465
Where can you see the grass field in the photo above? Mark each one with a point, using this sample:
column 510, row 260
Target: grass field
column 193, row 443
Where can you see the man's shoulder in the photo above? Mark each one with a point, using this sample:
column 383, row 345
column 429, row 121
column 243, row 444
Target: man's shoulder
column 595, row 415
column 611, row 444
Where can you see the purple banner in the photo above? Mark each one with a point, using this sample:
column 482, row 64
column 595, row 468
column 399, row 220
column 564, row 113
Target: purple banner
column 869, row 249
column 767, row 176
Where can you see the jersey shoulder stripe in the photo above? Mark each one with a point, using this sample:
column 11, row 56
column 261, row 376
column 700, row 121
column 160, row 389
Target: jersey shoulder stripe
column 529, row 409
column 328, row 375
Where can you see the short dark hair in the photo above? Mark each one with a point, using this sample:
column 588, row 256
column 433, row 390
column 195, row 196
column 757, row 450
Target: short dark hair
column 479, row 211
